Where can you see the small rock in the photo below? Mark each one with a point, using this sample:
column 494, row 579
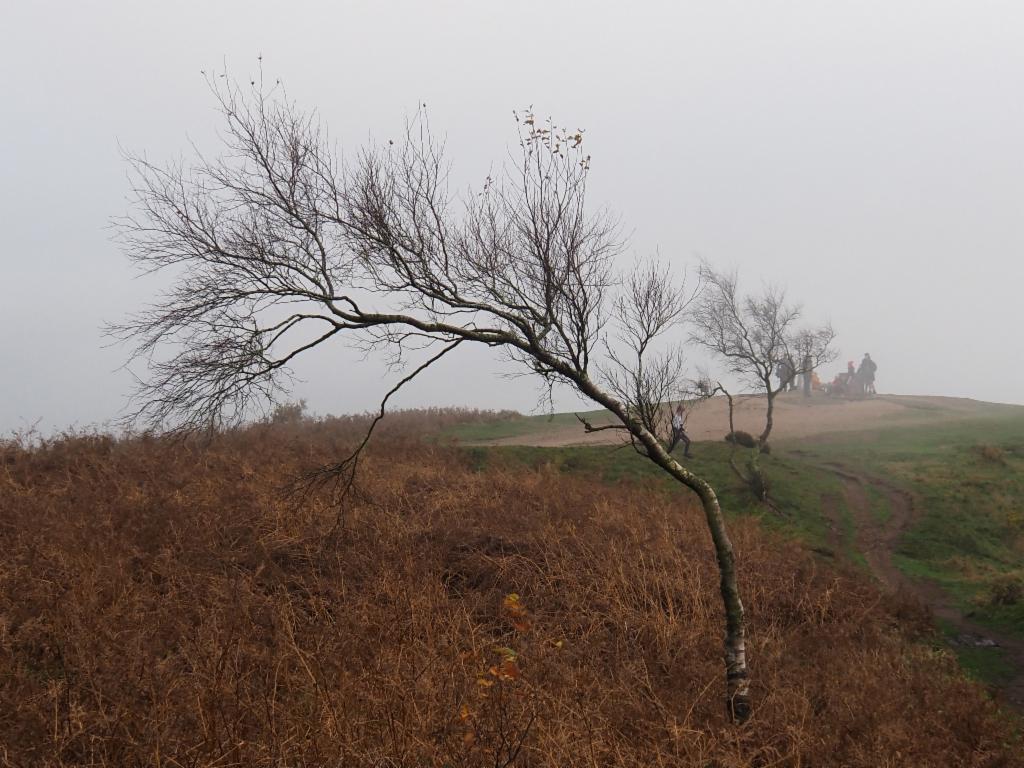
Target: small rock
column 975, row 641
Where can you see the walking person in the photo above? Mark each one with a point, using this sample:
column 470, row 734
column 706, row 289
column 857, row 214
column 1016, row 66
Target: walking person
column 679, row 431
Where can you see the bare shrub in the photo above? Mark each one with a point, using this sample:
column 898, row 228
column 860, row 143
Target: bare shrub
column 288, row 413
column 739, row 437
column 991, row 453
column 1007, row 589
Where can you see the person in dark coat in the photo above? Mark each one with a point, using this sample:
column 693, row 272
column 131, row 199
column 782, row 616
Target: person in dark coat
column 786, row 372
column 866, row 373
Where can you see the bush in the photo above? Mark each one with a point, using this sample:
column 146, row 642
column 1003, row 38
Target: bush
column 992, row 453
column 289, row 413
column 1006, row 590
column 739, row 437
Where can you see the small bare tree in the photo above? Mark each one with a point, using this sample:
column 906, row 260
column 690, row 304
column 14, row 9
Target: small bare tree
column 752, row 334
column 637, row 374
column 278, row 246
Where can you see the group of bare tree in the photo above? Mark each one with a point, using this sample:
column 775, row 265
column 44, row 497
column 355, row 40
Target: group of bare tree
column 278, row 245
column 751, row 336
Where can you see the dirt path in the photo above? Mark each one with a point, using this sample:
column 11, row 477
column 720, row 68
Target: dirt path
column 795, row 417
column 877, row 539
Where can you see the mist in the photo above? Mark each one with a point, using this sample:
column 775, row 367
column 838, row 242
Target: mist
column 866, row 156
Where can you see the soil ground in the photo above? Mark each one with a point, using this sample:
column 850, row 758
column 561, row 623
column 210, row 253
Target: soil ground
column 795, row 417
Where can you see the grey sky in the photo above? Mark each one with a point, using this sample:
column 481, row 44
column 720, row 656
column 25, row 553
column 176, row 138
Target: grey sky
column 869, row 156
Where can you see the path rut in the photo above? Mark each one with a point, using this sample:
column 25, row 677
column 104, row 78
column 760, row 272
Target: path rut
column 877, row 541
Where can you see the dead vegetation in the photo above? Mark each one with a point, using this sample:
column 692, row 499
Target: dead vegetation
column 161, row 605
column 992, row 453
column 1006, row 589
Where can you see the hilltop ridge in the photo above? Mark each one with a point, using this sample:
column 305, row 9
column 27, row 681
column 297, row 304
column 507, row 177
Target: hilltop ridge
column 795, row 417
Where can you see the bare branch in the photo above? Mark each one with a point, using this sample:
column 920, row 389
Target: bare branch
column 343, row 473
column 588, row 427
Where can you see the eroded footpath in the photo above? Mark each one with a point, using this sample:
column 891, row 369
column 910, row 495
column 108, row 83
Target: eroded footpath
column 877, row 539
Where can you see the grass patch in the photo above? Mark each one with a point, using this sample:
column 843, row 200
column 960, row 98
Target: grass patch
column 985, row 664
column 967, row 479
column 849, row 540
column 517, row 426
column 880, row 509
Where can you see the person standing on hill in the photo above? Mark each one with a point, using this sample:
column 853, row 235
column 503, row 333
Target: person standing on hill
column 854, row 386
column 866, row 373
column 808, row 372
column 679, row 431
column 786, row 372
column 780, row 371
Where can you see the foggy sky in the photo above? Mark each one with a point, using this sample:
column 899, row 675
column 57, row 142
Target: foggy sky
column 868, row 156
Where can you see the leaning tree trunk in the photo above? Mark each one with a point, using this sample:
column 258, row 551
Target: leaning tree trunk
column 736, row 675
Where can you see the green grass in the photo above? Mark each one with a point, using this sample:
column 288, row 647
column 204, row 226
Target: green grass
column 968, row 482
column 480, row 432
column 985, row 664
column 880, row 509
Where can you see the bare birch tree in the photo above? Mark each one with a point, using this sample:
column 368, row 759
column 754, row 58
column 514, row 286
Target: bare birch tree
column 278, row 246
column 752, row 334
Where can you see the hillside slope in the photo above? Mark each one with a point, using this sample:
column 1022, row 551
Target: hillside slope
column 162, row 604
